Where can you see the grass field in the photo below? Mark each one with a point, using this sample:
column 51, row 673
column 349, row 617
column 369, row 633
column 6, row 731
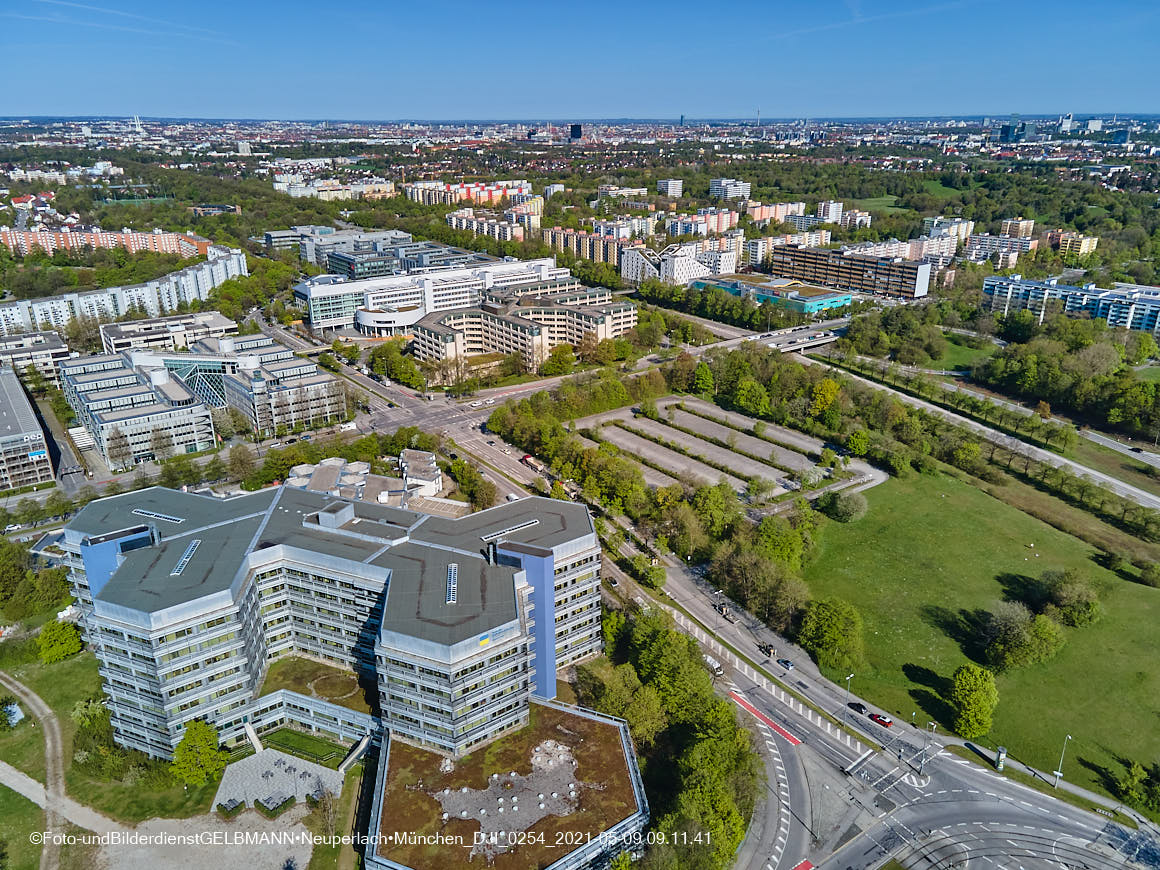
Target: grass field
column 337, row 856
column 879, row 203
column 1151, row 374
column 308, row 746
column 959, row 356
column 18, row 818
column 316, row 680
column 922, row 566
column 1118, row 465
column 937, row 188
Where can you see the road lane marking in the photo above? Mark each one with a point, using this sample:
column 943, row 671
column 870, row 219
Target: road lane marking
column 741, row 702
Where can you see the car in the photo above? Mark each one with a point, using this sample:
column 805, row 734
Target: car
column 786, row 663
column 884, row 721
column 477, row 404
column 1137, row 449
column 858, row 708
column 489, row 401
column 511, row 496
column 12, row 527
column 508, row 451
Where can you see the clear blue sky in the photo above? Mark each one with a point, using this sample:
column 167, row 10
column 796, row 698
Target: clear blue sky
column 386, row 59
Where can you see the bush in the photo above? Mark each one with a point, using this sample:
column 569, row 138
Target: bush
column 974, row 698
column 274, row 812
column 228, row 814
column 845, row 507
column 831, row 632
column 58, row 641
column 1150, row 574
column 1015, row 638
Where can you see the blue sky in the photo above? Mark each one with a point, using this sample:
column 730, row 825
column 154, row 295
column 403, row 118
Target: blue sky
column 442, row 59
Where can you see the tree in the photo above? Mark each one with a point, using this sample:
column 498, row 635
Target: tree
column 831, row 632
column 161, row 443
column 1071, row 599
column 560, row 361
column 558, row 492
column 1150, row 574
column 197, row 758
column 751, row 398
column 241, row 462
column 858, row 442
column 646, row 716
column 703, row 379
column 845, row 507
column 974, row 698
column 58, row 641
column 825, row 393
column 118, row 448
column 215, row 469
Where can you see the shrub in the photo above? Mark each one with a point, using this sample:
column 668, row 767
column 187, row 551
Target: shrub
column 845, row 507
column 1150, row 574
column 58, row 641
column 831, row 632
column 974, row 698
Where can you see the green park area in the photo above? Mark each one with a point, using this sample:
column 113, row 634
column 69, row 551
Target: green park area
column 317, row 680
column 930, row 560
column 879, row 203
column 18, row 816
column 959, row 355
column 1151, row 374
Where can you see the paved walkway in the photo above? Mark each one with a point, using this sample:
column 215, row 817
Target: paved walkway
column 65, row 807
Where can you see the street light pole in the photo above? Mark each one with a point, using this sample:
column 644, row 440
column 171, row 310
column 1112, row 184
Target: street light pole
column 1059, row 770
column 846, row 706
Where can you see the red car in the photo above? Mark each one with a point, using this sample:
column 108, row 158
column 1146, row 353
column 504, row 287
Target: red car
column 884, row 721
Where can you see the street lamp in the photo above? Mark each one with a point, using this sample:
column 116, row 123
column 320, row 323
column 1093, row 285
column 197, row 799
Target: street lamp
column 1059, row 770
column 846, row 706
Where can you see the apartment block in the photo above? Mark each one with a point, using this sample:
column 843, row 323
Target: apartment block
column 166, row 333
column 853, row 272
column 485, row 224
column 1070, row 242
column 587, row 246
column 853, row 218
column 24, row 458
column 479, row 193
column 1022, row 228
column 775, row 212
column 613, row 190
column 981, row 246
column 186, row 598
column 676, row 264
column 928, row 248
column 151, row 299
column 802, row 222
column 49, row 241
column 45, row 351
column 829, row 211
column 756, row 250
column 552, row 189
column 392, row 305
column 625, row 227
column 670, row 187
column 729, row 188
column 707, row 221
column 959, row 228
column 1131, row 306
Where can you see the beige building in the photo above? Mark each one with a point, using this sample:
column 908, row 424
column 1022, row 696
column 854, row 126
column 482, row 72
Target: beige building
column 587, row 246
column 1070, row 242
column 1023, row 228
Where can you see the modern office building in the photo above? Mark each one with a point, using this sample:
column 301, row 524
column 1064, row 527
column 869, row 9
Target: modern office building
column 1070, row 242
column 670, row 187
column 858, row 274
column 1131, row 306
column 756, row 250
column 183, row 244
column 982, row 246
column 24, row 458
column 527, row 323
column 729, row 188
column 43, row 350
column 185, row 599
column 392, row 305
column 676, row 264
column 781, row 292
column 136, row 402
column 151, row 299
column 1022, row 228
column 166, row 333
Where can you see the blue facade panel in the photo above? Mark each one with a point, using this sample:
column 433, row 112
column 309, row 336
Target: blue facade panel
column 103, row 558
column 541, row 574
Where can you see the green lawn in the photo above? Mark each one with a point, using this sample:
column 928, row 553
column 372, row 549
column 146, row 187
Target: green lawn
column 925, row 563
column 1151, row 374
column 1118, row 465
column 879, row 203
column 308, row 746
column 937, row 188
column 340, row 856
column 18, row 818
column 959, row 356
column 317, row 680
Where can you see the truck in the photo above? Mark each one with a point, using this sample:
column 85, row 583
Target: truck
column 533, row 463
column 714, row 665
column 723, row 609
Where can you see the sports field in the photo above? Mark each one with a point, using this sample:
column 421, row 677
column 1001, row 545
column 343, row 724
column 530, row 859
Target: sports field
column 931, row 557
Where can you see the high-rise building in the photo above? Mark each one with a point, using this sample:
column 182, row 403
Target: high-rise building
column 729, row 188
column 1023, row 228
column 576, row 132
column 1130, row 306
column 1070, row 242
column 44, row 351
column 670, row 187
column 843, row 271
column 829, row 211
column 981, row 246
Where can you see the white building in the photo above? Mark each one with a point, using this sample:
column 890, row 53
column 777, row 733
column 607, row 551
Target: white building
column 670, row 187
column 676, row 264
column 729, row 188
column 829, row 211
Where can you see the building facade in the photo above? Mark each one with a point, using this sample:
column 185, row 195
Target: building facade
column 729, row 188
column 1130, row 306
column 670, row 187
column 981, row 246
column 48, row 241
column 24, row 459
column 166, row 333
column 843, row 271
column 44, row 351
column 756, row 250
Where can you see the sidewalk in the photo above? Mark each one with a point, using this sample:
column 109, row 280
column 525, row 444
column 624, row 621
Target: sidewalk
column 78, row 814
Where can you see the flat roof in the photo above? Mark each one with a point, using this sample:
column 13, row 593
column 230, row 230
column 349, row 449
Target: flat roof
column 416, row 603
column 556, row 522
column 16, row 414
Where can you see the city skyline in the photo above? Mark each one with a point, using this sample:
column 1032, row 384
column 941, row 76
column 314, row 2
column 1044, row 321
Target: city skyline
column 250, row 62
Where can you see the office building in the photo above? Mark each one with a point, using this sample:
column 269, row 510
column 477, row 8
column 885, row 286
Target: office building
column 780, row 292
column 576, row 132
column 392, row 305
column 959, row 228
column 858, row 274
column 185, row 599
column 1069, row 242
column 151, row 299
column 829, row 212
column 587, row 246
column 983, row 246
column 166, row 333
column 49, row 241
column 132, row 402
column 756, row 250
column 315, row 243
column 45, row 351
column 676, row 264
column 552, row 189
column 670, row 187
column 1022, row 228
column 1131, row 306
column 527, row 322
column 24, row 459
column 729, row 188
column 478, row 193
